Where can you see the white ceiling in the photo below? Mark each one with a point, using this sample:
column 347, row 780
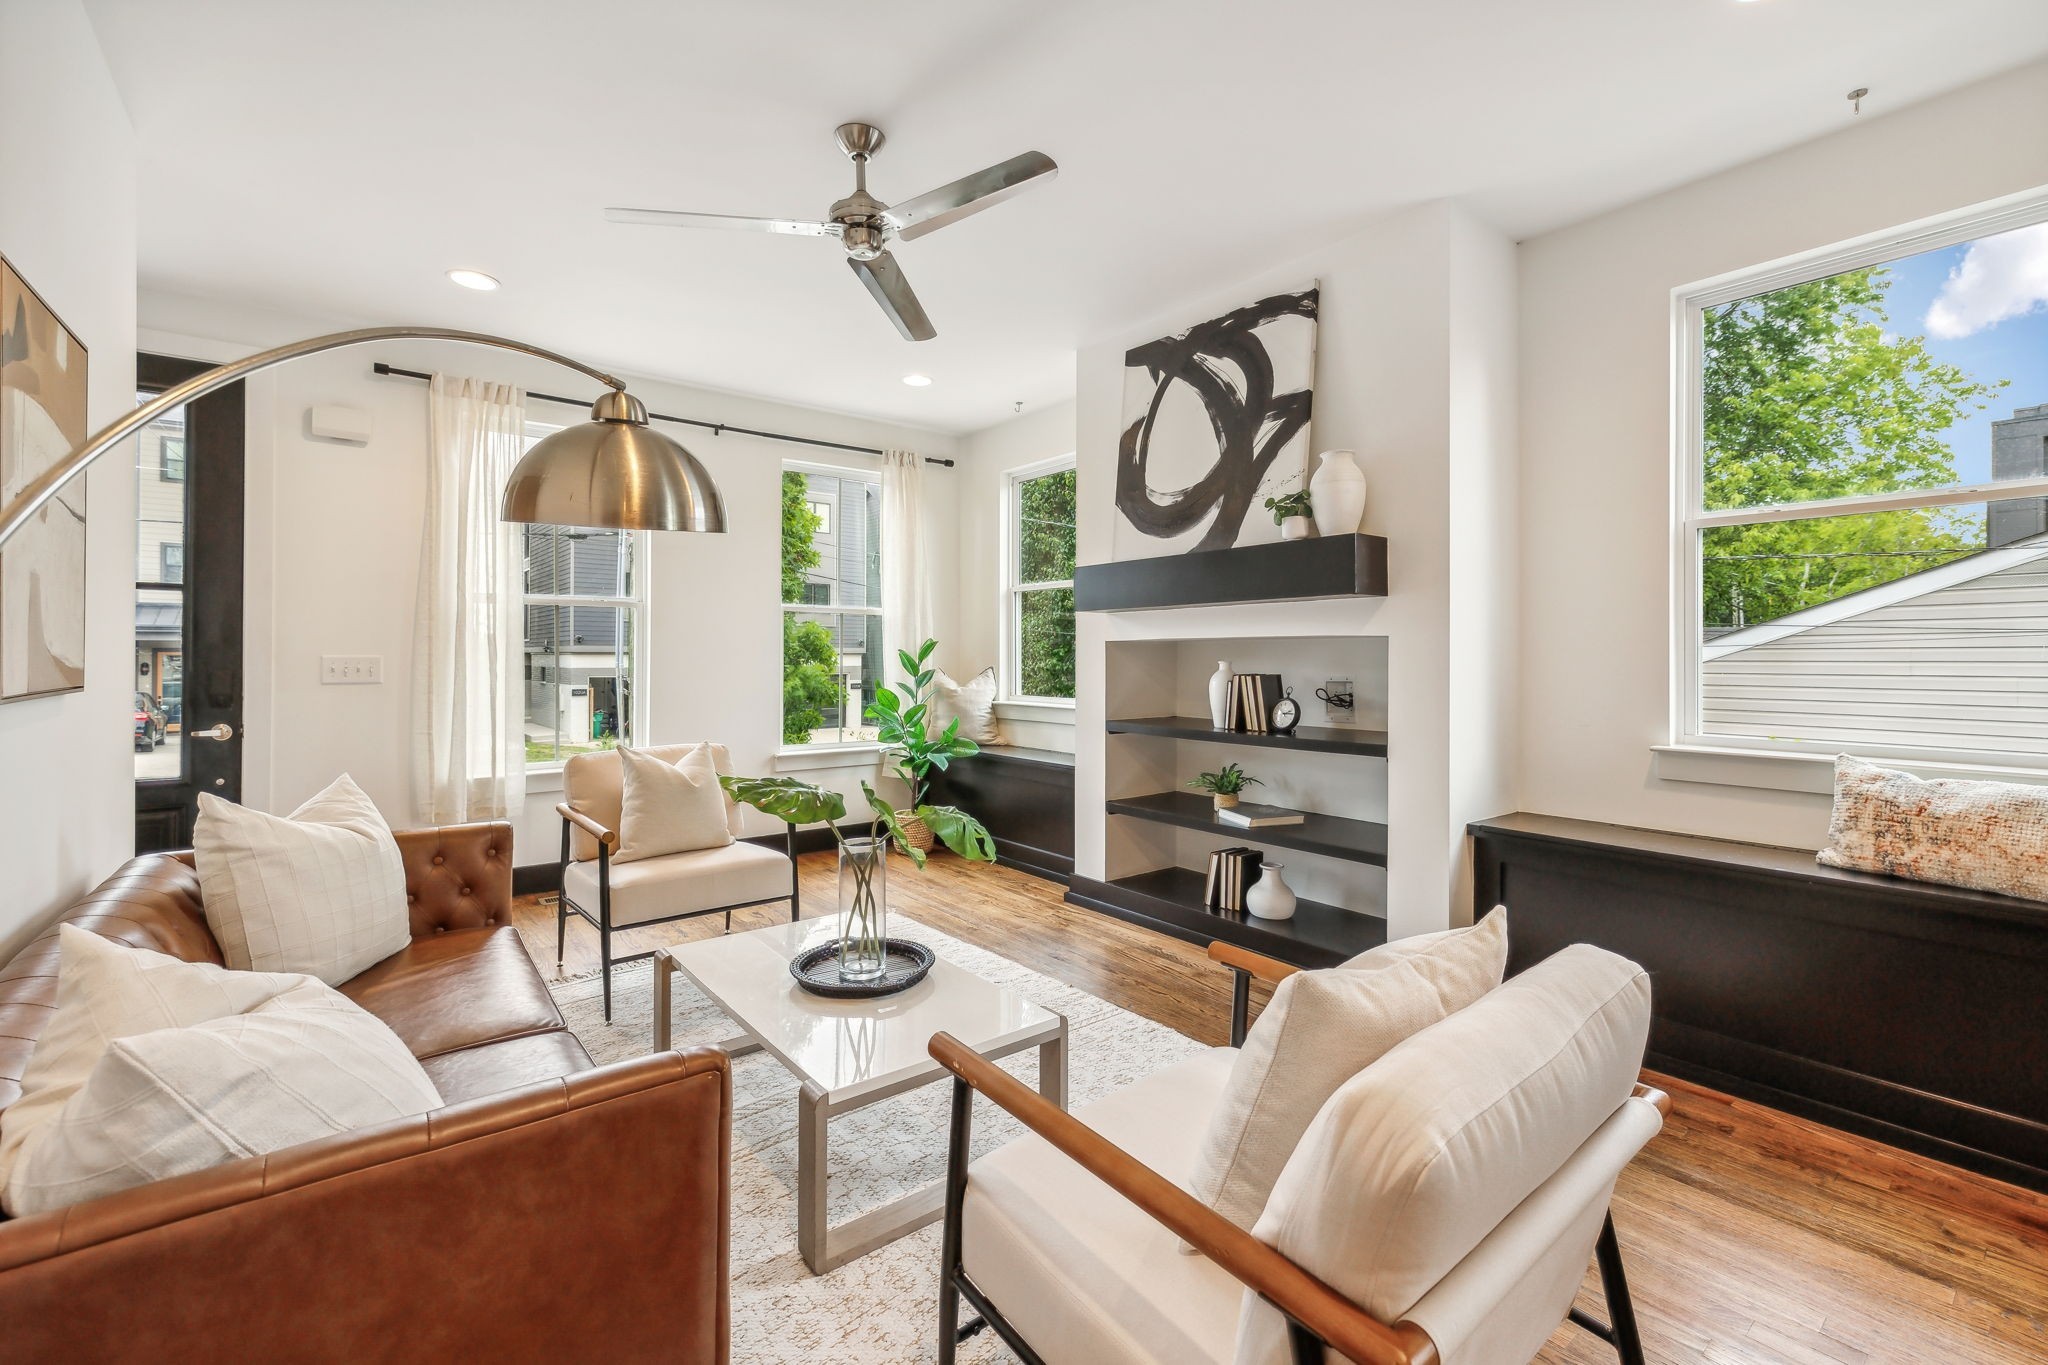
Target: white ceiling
column 335, row 158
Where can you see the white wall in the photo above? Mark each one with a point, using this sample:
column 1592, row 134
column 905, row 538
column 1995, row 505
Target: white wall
column 1595, row 416
column 67, row 222
column 1405, row 338
column 333, row 555
column 986, row 459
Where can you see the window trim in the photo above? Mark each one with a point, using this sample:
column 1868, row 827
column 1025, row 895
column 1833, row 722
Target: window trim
column 635, row 602
column 163, row 562
column 1011, row 588
column 1690, row 754
column 834, row 752
column 163, row 464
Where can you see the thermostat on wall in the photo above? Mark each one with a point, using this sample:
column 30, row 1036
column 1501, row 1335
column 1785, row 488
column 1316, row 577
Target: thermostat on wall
column 334, row 422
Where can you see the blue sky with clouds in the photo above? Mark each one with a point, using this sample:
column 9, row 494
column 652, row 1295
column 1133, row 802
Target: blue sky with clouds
column 1983, row 307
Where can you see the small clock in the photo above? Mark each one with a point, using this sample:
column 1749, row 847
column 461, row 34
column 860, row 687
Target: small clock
column 1286, row 715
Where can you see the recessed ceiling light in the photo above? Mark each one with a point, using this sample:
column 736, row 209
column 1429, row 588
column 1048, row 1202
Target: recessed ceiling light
column 473, row 279
column 917, row 381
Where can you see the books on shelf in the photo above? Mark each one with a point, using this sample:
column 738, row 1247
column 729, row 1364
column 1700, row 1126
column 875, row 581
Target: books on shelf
column 1232, row 871
column 1252, row 698
column 1251, row 815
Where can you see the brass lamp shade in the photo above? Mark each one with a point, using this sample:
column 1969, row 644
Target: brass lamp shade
column 614, row 471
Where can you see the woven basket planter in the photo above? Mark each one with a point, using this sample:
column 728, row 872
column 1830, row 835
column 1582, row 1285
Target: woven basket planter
column 916, row 831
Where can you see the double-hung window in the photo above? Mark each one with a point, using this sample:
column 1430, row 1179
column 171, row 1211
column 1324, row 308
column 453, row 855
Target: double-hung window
column 584, row 608
column 1862, row 538
column 1038, row 582
column 831, row 603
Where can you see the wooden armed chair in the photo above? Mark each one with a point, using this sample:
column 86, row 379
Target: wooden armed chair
column 1064, row 1270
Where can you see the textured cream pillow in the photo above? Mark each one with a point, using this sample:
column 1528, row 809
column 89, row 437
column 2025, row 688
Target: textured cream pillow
column 973, row 703
column 151, row 1067
column 1319, row 1030
column 1989, row 836
column 1422, row 1154
column 320, row 891
column 669, row 807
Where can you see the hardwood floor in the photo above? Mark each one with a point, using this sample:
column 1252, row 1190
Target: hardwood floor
column 1751, row 1237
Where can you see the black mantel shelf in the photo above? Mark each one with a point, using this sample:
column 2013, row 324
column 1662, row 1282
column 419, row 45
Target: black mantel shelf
column 1357, row 841
column 1321, row 739
column 1283, row 571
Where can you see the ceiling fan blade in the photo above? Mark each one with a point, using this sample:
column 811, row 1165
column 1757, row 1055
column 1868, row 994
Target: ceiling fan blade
column 884, row 279
column 794, row 227
column 969, row 194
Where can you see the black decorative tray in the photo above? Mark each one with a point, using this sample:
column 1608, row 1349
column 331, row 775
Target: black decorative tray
column 817, row 970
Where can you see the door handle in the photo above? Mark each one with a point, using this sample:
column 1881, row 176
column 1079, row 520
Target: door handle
column 223, row 731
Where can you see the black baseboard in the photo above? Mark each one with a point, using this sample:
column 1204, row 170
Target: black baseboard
column 537, row 879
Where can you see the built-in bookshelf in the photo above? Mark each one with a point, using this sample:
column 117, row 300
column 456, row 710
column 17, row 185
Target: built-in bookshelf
column 1159, row 735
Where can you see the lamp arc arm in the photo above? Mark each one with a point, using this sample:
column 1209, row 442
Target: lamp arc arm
column 38, row 492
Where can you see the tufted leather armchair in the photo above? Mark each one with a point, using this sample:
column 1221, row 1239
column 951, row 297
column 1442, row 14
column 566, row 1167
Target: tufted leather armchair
column 491, row 1228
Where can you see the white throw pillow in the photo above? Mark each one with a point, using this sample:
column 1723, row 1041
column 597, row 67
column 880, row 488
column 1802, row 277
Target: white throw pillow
column 973, row 703
column 1422, row 1154
column 669, row 807
column 1989, row 836
column 320, row 891
column 151, row 1067
column 1319, row 1030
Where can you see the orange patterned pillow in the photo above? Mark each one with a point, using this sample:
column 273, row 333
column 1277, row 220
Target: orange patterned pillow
column 1990, row 836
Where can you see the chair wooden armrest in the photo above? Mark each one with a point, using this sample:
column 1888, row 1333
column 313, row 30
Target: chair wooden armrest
column 1264, row 968
column 1345, row 1326
column 608, row 838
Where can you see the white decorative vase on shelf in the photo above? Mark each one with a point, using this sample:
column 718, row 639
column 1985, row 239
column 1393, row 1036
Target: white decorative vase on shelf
column 1337, row 492
column 1270, row 896
column 1219, row 694
column 1297, row 528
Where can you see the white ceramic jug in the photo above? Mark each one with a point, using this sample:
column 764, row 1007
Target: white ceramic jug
column 1337, row 492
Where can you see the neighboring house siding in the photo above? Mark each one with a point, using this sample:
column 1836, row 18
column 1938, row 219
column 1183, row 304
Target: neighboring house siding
column 1959, row 667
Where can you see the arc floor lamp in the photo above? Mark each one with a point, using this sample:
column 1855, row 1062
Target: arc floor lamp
column 614, row 471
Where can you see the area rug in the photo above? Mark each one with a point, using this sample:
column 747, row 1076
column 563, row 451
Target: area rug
column 883, row 1307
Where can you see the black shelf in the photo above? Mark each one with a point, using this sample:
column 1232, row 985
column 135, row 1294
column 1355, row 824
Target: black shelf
column 1358, row 841
column 1283, row 571
column 1170, row 901
column 1325, row 739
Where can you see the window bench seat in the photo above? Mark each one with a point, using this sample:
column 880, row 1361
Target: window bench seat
column 1024, row 796
column 1900, row 1010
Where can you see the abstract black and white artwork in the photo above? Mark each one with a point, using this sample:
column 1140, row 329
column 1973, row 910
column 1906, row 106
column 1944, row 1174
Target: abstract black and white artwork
column 42, row 572
column 1215, row 421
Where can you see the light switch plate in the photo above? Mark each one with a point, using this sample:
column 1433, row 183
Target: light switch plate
column 347, row 669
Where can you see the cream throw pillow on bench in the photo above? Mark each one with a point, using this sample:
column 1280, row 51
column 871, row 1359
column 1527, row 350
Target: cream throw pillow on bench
column 972, row 703
column 669, row 807
column 1988, row 836
column 152, row 1067
column 1320, row 1029
column 320, row 891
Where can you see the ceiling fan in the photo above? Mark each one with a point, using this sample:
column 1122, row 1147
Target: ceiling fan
column 865, row 225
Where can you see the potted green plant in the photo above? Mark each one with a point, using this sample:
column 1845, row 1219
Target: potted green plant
column 1225, row 785
column 863, row 864
column 902, row 724
column 1292, row 513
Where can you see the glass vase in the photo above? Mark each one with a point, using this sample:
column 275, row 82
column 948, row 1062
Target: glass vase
column 863, row 909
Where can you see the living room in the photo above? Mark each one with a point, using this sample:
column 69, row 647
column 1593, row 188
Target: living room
column 1584, row 460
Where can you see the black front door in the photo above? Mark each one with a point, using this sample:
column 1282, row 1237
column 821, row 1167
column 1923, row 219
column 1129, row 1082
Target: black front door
column 188, row 605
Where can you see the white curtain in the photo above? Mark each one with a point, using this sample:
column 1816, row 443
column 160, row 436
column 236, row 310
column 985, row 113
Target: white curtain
column 906, row 561
column 469, row 742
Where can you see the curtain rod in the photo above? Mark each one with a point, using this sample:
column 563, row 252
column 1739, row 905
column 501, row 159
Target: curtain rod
column 715, row 428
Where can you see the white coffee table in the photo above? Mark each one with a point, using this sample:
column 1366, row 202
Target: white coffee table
column 848, row 1054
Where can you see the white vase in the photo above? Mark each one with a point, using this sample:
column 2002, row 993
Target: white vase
column 1219, row 694
column 1337, row 492
column 1270, row 897
column 1296, row 528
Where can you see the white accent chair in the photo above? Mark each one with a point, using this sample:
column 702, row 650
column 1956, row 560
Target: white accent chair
column 657, row 890
column 1441, row 1209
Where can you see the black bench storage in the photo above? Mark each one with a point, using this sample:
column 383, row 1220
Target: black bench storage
column 1024, row 796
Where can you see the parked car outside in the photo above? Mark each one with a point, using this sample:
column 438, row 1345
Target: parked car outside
column 149, row 723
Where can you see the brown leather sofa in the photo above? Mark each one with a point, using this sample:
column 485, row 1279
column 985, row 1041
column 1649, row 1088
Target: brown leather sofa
column 553, row 1210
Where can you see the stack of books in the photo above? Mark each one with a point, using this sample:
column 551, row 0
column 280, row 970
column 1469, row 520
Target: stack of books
column 1252, row 699
column 1251, row 815
column 1231, row 873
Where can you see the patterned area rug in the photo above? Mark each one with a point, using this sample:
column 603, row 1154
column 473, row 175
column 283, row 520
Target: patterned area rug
column 882, row 1308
